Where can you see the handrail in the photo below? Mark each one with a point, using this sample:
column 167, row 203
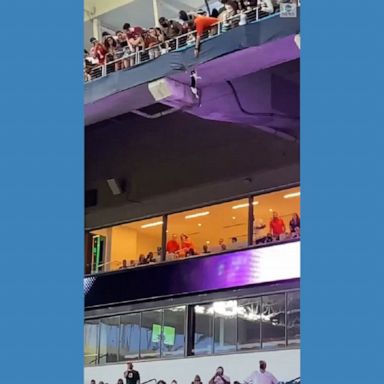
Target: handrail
column 176, row 44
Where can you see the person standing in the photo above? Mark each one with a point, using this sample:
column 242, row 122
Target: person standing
column 131, row 376
column 219, row 377
column 277, row 226
column 262, row 376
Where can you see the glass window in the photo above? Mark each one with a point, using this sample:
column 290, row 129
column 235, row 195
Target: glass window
column 212, row 229
column 277, row 216
column 273, row 321
column 203, row 337
column 225, row 325
column 109, row 339
column 150, row 335
column 129, row 337
column 173, row 338
column 248, row 324
column 91, row 332
column 293, row 318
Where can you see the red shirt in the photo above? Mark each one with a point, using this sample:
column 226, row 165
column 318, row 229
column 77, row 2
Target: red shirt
column 99, row 53
column 135, row 33
column 173, row 246
column 277, row 226
column 204, row 23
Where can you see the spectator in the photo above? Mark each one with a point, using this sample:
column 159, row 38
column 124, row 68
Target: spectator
column 201, row 24
column 93, row 381
column 259, row 231
column 101, row 382
column 88, row 65
column 262, row 376
column 123, row 48
column 170, row 28
column 142, row 260
column 150, row 258
column 222, row 246
column 206, row 249
column 234, row 243
column 276, row 225
column 98, row 51
column 110, row 45
column 219, row 377
column 131, row 376
column 135, row 38
column 120, row 381
column 173, row 245
column 124, row 265
column 187, row 247
column 197, row 380
column 294, row 223
column 132, row 263
column 173, row 381
column 266, row 6
column 151, row 40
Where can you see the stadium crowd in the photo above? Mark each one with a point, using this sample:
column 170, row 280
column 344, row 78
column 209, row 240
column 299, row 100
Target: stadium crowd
column 134, row 44
column 260, row 376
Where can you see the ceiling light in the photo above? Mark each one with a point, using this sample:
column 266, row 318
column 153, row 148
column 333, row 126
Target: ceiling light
column 244, row 205
column 233, row 217
column 199, row 224
column 290, row 195
column 270, row 210
column 197, row 215
column 155, row 224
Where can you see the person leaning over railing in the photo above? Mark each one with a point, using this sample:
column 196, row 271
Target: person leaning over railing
column 201, row 24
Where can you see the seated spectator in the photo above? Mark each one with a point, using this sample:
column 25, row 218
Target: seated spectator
column 222, row 246
column 142, row 260
column 294, row 223
column 173, row 246
column 98, row 51
column 170, row 28
column 206, row 249
column 276, row 225
column 120, row 381
column 124, row 265
column 202, row 24
column 150, row 258
column 197, row 380
column 234, row 243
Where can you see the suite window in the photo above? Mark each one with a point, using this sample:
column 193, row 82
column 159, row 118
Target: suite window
column 173, row 332
column 203, row 334
column 249, row 324
column 129, row 337
column 109, row 340
column 91, row 337
column 225, row 323
column 273, row 321
column 150, row 334
column 293, row 318
column 208, row 230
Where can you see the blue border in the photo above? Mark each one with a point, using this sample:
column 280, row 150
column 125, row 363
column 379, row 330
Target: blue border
column 342, row 194
column 41, row 202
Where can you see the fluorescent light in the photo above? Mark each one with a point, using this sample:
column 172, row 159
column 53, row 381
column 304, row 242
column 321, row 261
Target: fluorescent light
column 155, row 224
column 244, row 205
column 290, row 195
column 199, row 224
column 197, row 215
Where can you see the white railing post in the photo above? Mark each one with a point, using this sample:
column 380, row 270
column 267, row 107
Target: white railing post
column 104, row 70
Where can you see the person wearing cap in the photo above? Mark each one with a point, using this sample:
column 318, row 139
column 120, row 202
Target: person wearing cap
column 262, row 376
column 201, row 24
column 98, row 51
column 131, row 376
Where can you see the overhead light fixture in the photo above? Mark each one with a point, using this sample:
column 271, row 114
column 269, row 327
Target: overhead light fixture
column 199, row 225
column 149, row 225
column 270, row 210
column 197, row 215
column 290, row 195
column 233, row 217
column 245, row 205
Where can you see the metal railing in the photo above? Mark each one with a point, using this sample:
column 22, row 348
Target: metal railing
column 132, row 59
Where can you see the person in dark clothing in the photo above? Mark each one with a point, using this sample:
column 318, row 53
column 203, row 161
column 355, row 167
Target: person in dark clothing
column 294, row 223
column 131, row 376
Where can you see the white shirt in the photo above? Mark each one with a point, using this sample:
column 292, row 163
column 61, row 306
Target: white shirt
column 261, row 378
